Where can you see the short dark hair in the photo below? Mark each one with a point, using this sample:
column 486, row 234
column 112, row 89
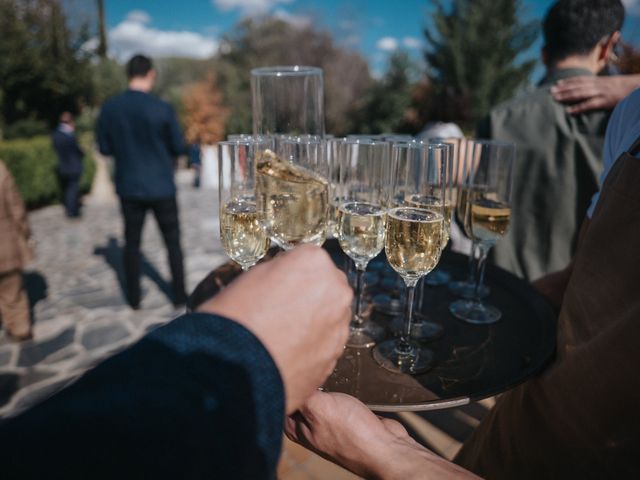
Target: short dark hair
column 139, row 66
column 574, row 27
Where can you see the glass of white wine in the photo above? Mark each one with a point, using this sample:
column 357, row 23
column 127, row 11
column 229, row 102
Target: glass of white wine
column 292, row 191
column 487, row 216
column 422, row 328
column 467, row 288
column 333, row 151
column 413, row 243
column 362, row 202
column 241, row 234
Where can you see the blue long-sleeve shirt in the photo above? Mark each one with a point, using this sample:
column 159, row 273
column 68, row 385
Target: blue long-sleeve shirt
column 198, row 398
column 142, row 133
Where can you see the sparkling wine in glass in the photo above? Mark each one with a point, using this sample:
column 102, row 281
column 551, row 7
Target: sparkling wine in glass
column 413, row 244
column 243, row 238
column 466, row 288
column 487, row 217
column 292, row 192
column 362, row 205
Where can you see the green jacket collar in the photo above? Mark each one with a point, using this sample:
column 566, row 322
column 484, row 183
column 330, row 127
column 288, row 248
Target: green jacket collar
column 562, row 73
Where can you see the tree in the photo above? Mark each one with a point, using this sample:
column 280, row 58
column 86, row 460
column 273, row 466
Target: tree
column 43, row 69
column 473, row 55
column 269, row 41
column 385, row 105
column 204, row 116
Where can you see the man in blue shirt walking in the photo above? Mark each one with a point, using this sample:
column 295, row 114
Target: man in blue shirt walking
column 142, row 133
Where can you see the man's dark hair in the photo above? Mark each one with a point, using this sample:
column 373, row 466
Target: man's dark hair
column 574, row 27
column 139, row 66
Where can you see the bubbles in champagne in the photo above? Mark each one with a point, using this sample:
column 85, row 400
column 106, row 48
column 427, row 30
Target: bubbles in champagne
column 242, row 237
column 431, row 202
column 413, row 239
column 489, row 219
column 292, row 202
column 361, row 230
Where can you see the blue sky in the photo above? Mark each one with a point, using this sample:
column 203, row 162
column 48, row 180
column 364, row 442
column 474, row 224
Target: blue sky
column 375, row 28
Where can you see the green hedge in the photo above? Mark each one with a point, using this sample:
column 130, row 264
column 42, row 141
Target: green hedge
column 33, row 164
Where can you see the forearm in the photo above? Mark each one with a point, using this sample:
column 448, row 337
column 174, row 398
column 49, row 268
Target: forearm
column 405, row 461
column 197, row 396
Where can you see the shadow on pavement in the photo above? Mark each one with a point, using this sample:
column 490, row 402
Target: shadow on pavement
column 112, row 254
column 36, row 286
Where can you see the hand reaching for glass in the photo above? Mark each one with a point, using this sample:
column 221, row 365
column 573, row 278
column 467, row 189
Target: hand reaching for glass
column 298, row 305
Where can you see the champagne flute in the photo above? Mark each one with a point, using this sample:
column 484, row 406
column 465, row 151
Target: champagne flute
column 333, row 160
column 413, row 243
column 440, row 276
column 466, row 288
column 487, row 217
column 364, row 186
column 423, row 329
column 243, row 238
column 288, row 101
column 292, row 191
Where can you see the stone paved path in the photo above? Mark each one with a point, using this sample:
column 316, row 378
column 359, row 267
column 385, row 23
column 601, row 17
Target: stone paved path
column 80, row 313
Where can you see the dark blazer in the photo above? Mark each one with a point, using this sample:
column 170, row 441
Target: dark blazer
column 197, row 398
column 142, row 133
column 69, row 153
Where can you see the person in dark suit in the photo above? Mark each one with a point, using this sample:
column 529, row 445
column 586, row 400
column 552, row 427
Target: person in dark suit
column 142, row 133
column 204, row 396
column 70, row 157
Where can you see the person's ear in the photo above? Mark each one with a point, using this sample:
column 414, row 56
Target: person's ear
column 606, row 53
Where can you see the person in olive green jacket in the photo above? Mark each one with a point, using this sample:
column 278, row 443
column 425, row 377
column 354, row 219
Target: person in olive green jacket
column 559, row 153
column 15, row 253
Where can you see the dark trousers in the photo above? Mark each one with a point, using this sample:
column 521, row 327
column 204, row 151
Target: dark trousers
column 166, row 213
column 71, row 194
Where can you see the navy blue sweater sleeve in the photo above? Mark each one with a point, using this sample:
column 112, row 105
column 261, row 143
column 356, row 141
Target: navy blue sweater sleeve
column 198, row 398
column 177, row 145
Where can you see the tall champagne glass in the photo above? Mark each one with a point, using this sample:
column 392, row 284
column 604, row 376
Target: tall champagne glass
column 422, row 328
column 333, row 160
column 362, row 200
column 292, row 191
column 487, row 217
column 466, row 288
column 243, row 238
column 288, row 101
column 413, row 243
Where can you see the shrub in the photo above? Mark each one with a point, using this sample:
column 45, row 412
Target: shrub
column 33, row 165
column 26, row 128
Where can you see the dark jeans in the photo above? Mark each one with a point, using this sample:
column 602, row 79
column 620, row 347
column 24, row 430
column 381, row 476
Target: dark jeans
column 166, row 212
column 71, row 194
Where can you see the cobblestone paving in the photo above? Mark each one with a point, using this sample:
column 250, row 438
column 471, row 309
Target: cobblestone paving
column 80, row 313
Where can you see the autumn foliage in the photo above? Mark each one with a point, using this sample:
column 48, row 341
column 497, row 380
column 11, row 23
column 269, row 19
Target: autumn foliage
column 204, row 114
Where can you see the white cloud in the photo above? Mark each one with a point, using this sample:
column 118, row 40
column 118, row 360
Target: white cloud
column 299, row 21
column 411, row 42
column 133, row 35
column 138, row 16
column 388, row 44
column 249, row 7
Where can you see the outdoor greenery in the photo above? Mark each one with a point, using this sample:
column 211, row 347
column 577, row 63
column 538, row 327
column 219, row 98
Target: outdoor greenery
column 43, row 69
column 258, row 43
column 33, row 165
column 473, row 55
column 49, row 64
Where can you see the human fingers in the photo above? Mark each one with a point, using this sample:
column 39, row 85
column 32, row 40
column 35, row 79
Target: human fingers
column 594, row 103
column 574, row 92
